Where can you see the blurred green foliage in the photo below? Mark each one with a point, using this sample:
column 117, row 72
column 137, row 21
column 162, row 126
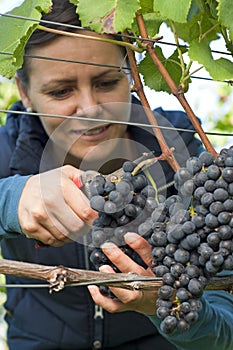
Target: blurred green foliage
column 8, row 95
column 221, row 120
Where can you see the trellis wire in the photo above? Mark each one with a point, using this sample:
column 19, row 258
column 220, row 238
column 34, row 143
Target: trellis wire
column 120, row 35
column 117, row 34
column 105, row 65
column 229, row 81
column 172, row 128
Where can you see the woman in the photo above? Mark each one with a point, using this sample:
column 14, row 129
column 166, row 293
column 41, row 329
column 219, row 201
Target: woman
column 42, row 159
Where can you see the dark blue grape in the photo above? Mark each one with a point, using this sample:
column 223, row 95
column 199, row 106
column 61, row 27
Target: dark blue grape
column 194, row 164
column 213, row 172
column 168, row 325
column 227, row 174
column 206, row 158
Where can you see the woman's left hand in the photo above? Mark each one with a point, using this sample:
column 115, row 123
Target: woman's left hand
column 127, row 300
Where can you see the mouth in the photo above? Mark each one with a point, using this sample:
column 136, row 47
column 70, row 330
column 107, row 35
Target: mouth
column 94, row 133
column 97, row 130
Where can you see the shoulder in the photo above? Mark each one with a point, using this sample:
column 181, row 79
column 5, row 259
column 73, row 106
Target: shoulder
column 177, row 118
column 8, row 137
column 185, row 129
column 5, row 152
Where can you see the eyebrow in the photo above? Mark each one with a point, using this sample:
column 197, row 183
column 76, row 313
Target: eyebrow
column 54, row 82
column 71, row 80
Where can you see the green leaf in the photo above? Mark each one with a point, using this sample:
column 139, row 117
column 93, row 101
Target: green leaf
column 75, row 2
column 212, row 7
column 18, row 34
column 225, row 12
column 220, row 69
column 198, row 26
column 110, row 16
column 175, row 10
column 152, row 23
column 146, row 6
column 152, row 77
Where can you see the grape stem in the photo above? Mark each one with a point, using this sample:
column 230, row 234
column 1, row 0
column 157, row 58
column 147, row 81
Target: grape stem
column 91, row 37
column 177, row 91
column 138, row 88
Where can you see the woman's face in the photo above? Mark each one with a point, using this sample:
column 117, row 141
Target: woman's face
column 82, row 90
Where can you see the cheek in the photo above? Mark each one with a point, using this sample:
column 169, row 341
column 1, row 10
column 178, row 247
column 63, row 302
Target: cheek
column 50, row 125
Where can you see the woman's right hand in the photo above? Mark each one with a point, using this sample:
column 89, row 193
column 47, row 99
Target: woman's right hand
column 52, row 209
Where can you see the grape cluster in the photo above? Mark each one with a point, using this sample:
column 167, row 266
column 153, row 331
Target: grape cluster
column 122, row 205
column 191, row 232
column 192, row 237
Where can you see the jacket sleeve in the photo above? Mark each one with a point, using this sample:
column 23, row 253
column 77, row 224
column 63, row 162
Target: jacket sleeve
column 214, row 327
column 10, row 192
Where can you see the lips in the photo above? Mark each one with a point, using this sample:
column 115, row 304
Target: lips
column 96, row 131
column 92, row 134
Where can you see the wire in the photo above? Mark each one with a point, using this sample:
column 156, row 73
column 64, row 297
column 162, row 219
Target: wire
column 66, row 60
column 81, row 284
column 105, row 65
column 172, row 128
column 96, row 64
column 118, row 34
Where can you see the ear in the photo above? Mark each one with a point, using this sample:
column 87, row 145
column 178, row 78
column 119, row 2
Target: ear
column 23, row 93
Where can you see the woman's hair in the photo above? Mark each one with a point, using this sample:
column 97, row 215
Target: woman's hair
column 62, row 11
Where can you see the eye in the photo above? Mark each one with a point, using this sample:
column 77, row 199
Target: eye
column 61, row 93
column 107, row 84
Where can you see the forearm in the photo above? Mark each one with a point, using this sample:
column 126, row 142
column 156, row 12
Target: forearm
column 10, row 192
column 214, row 327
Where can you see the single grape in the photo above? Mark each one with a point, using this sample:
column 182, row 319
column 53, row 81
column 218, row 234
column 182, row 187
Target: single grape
column 165, row 292
column 182, row 255
column 194, row 164
column 168, row 325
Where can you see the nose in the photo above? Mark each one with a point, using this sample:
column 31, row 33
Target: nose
column 88, row 105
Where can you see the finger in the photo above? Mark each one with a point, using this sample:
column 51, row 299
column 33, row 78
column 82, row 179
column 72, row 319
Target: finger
column 126, row 297
column 44, row 236
column 140, row 245
column 75, row 198
column 123, row 262
column 80, row 204
column 63, row 223
column 111, row 305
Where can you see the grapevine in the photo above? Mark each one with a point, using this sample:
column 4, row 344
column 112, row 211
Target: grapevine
column 191, row 232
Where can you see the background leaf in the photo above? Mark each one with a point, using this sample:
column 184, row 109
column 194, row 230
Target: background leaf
column 110, row 16
column 151, row 76
column 225, row 12
column 18, row 34
column 220, row 69
column 178, row 12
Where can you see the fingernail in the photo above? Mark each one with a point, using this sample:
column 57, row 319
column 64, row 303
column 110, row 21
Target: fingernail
column 105, row 268
column 131, row 237
column 108, row 245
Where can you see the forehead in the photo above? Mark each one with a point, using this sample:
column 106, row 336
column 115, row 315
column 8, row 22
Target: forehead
column 64, row 51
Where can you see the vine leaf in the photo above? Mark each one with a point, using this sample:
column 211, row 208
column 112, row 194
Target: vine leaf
column 196, row 27
column 146, row 6
column 178, row 12
column 152, row 21
column 151, row 75
column 220, row 69
column 110, row 16
column 225, row 13
column 18, row 33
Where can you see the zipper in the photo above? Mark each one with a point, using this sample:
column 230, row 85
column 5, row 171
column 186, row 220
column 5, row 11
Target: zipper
column 98, row 317
column 98, row 312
